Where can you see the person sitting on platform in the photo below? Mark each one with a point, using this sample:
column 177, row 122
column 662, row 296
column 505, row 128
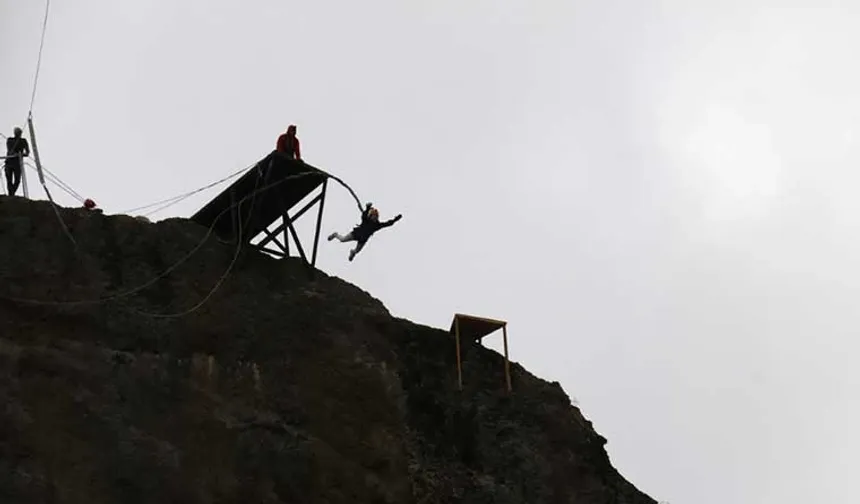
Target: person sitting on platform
column 362, row 232
column 288, row 144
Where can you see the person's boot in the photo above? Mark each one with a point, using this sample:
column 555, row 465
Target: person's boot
column 351, row 254
column 332, row 236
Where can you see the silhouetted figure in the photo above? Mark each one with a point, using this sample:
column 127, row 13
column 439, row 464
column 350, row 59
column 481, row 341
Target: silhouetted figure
column 361, row 233
column 16, row 147
column 288, row 144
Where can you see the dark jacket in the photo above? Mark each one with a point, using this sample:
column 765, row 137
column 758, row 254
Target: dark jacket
column 289, row 144
column 15, row 146
column 369, row 226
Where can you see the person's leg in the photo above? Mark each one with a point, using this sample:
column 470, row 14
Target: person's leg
column 16, row 179
column 356, row 250
column 340, row 237
column 7, row 169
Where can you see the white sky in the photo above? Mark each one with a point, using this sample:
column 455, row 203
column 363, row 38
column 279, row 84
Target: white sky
column 659, row 196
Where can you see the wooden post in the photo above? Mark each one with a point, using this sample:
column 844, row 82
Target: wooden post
column 296, row 239
column 35, row 148
column 23, row 176
column 286, row 236
column 319, row 223
column 234, row 220
column 507, row 365
column 457, row 339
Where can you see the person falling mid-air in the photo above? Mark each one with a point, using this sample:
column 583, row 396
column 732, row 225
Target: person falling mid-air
column 16, row 147
column 361, row 233
column 288, row 144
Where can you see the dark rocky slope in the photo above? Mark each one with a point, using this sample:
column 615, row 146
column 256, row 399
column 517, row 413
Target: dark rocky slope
column 279, row 389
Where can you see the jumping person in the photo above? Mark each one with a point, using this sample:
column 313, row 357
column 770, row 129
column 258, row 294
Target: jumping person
column 362, row 232
column 288, row 144
column 16, row 147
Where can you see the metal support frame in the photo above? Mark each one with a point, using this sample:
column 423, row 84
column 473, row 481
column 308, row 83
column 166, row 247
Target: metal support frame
column 288, row 229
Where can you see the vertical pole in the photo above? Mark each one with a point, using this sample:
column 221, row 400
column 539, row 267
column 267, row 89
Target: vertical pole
column 319, row 223
column 457, row 339
column 35, row 152
column 507, row 364
column 233, row 232
column 286, row 235
column 23, row 176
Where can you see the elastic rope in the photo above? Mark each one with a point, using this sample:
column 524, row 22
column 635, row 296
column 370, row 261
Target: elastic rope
column 167, row 271
column 57, row 212
column 209, row 294
column 39, row 60
column 182, row 196
column 224, row 275
column 60, row 217
column 344, row 184
column 60, row 182
column 56, row 181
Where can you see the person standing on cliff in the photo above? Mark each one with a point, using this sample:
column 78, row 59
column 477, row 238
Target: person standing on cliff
column 288, row 144
column 16, row 148
column 361, row 233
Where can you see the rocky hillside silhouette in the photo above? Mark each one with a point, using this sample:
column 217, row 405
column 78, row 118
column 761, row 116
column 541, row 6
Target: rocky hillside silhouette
column 278, row 389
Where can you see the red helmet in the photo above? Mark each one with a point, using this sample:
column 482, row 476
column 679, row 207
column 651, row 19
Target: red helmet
column 89, row 204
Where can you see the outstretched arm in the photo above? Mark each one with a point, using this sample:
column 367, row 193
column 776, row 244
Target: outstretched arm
column 390, row 222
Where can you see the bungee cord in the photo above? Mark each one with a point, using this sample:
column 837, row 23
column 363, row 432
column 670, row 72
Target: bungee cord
column 167, row 271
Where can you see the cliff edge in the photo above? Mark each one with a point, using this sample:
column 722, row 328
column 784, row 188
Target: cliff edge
column 118, row 385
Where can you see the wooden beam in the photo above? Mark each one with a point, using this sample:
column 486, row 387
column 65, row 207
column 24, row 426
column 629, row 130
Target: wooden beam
column 272, row 238
column 507, row 362
column 457, row 339
column 319, row 223
column 305, row 208
column 296, row 239
column 267, row 250
column 286, row 223
column 286, row 236
column 276, row 231
column 480, row 319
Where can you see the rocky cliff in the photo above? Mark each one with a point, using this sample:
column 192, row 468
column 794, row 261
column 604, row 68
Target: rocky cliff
column 116, row 387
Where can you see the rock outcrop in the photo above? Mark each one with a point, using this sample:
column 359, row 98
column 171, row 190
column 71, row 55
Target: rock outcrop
column 116, row 387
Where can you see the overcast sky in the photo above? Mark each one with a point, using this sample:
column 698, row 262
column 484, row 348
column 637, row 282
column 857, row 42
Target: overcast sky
column 660, row 196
